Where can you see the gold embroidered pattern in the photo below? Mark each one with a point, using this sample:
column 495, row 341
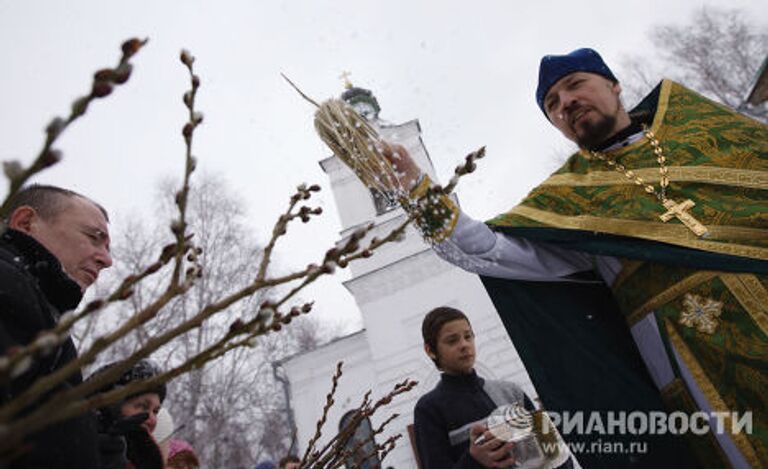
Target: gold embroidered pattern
column 672, row 234
column 436, row 213
column 746, row 178
column 710, row 392
column 676, row 397
column 675, row 209
column 681, row 287
column 700, row 313
column 752, row 295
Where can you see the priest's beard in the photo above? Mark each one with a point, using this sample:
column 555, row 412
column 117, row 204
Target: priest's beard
column 593, row 133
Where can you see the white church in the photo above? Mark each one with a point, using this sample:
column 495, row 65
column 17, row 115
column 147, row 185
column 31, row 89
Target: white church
column 393, row 289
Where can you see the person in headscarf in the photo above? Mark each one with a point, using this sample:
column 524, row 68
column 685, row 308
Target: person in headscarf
column 125, row 427
column 181, row 455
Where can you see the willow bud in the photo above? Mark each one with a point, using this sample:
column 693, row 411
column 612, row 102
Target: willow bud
column 101, row 89
column 131, row 46
column 186, row 58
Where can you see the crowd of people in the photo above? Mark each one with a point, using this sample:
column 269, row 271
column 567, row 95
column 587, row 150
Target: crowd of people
column 633, row 279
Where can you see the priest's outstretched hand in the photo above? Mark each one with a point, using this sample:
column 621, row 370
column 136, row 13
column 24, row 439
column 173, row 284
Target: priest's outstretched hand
column 408, row 173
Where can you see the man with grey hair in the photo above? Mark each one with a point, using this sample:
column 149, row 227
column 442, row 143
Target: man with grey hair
column 55, row 244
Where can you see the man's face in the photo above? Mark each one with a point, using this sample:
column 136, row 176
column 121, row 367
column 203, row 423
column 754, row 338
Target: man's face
column 455, row 347
column 79, row 238
column 585, row 107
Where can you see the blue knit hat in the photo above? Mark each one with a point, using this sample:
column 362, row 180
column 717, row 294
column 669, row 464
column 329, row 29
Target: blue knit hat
column 555, row 67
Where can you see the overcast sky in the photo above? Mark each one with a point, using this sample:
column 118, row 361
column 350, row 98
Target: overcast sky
column 466, row 69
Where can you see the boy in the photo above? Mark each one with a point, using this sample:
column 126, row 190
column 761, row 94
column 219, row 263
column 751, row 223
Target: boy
column 449, row 421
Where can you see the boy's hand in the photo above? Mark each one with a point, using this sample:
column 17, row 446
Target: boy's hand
column 490, row 451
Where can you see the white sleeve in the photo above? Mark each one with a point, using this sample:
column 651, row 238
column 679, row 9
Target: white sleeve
column 473, row 246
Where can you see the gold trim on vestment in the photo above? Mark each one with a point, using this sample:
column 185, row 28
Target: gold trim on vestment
column 420, row 189
column 628, row 267
column 708, row 389
column 446, row 233
column 661, row 107
column 746, row 178
column 683, row 286
column 675, row 392
column 752, row 295
column 676, row 234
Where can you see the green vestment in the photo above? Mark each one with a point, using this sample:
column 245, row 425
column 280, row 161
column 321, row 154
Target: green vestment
column 708, row 296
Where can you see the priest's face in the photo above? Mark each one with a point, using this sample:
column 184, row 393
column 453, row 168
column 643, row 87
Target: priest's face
column 586, row 108
column 455, row 347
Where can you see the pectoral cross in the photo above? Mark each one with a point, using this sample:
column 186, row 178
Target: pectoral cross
column 679, row 211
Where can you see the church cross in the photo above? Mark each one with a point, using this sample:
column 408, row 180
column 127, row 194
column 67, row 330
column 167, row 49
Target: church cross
column 345, row 76
column 679, row 211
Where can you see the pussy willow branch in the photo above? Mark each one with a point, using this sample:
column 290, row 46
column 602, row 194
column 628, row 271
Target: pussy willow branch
column 260, row 324
column 302, row 193
column 341, row 257
column 326, row 407
column 48, row 382
column 388, row 445
column 179, row 227
column 175, row 286
column 65, row 405
column 257, row 327
column 48, row 340
column 461, row 170
column 102, row 86
column 339, row 458
column 364, row 411
column 239, row 327
column 335, row 450
column 103, row 83
column 55, row 412
column 74, row 401
column 336, row 446
column 333, row 257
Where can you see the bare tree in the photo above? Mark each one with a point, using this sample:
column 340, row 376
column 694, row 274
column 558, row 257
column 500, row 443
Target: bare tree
column 234, row 411
column 717, row 52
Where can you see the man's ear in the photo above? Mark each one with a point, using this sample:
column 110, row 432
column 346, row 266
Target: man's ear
column 23, row 219
column 429, row 352
column 616, row 87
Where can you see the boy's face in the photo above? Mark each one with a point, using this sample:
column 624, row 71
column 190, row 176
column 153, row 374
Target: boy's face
column 455, row 347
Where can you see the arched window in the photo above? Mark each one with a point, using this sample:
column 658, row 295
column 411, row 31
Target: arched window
column 361, row 446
